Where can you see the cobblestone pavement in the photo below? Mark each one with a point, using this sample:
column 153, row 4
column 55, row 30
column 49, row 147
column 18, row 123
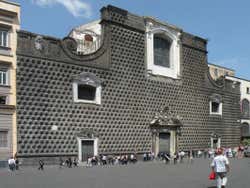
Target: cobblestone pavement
column 140, row 175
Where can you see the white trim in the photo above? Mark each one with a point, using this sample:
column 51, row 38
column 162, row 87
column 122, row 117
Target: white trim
column 174, row 69
column 2, row 40
column 6, row 72
column 97, row 95
column 172, row 142
column 79, row 141
column 212, row 142
column 215, row 113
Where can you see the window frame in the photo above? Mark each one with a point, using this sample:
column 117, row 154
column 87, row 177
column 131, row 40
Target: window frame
column 174, row 55
column 210, row 108
column 168, row 43
column 97, row 99
column 6, row 99
column 247, row 90
column 2, row 73
column 7, row 138
column 245, row 129
column 245, row 108
column 2, row 41
column 90, row 80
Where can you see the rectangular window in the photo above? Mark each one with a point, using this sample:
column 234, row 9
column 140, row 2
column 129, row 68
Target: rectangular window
column 4, row 37
column 3, row 99
column 248, row 90
column 3, row 77
column 3, row 139
column 215, row 107
column 86, row 92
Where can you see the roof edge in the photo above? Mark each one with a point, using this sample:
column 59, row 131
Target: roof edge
column 10, row 2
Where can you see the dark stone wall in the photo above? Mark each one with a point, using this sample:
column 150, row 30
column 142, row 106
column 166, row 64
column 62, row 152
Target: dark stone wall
column 130, row 97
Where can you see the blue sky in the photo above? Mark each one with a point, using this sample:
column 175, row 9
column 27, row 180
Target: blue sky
column 224, row 23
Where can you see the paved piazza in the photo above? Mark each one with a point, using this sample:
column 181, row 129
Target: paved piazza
column 140, row 175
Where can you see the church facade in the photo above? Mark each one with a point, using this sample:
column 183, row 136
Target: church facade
column 144, row 87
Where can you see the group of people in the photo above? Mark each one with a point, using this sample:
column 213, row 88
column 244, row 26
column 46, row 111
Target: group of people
column 112, row 159
column 68, row 162
column 149, row 156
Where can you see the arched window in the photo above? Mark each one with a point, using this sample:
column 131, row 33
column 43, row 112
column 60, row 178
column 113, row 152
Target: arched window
column 162, row 51
column 245, row 131
column 245, row 108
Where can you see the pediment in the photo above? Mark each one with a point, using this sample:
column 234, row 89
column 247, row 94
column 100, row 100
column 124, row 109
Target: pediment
column 88, row 79
column 166, row 118
column 87, row 133
column 216, row 98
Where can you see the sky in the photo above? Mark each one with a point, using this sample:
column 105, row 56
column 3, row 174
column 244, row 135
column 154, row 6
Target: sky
column 224, row 23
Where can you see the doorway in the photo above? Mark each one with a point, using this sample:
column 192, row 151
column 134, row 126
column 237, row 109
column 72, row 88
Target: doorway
column 215, row 142
column 87, row 149
column 164, row 142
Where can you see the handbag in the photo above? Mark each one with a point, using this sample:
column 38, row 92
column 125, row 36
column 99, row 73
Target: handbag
column 212, row 175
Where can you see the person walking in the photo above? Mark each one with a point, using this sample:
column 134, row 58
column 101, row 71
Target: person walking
column 41, row 164
column 70, row 162
column 17, row 163
column 191, row 157
column 60, row 163
column 176, row 157
column 220, row 165
column 75, row 162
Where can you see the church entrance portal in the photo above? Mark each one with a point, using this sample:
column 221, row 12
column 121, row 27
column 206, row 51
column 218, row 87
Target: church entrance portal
column 164, row 142
column 165, row 128
column 87, row 149
column 87, row 141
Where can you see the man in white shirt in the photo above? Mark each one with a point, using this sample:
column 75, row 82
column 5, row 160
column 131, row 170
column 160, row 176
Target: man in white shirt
column 220, row 165
column 12, row 163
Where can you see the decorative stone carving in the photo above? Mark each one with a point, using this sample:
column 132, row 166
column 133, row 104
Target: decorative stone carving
column 87, row 133
column 216, row 98
column 70, row 44
column 220, row 83
column 215, row 135
column 88, row 79
column 39, row 43
column 166, row 117
column 54, row 50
